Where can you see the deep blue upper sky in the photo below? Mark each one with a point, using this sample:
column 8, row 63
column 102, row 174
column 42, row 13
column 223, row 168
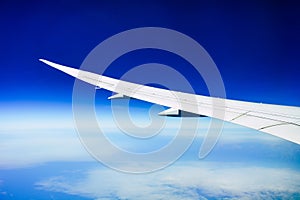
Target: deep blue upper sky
column 254, row 44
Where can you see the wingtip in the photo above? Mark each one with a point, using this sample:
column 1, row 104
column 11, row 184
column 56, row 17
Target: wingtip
column 42, row 60
column 47, row 62
column 71, row 71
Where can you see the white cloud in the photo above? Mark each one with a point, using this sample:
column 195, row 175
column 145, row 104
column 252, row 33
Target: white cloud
column 31, row 137
column 188, row 181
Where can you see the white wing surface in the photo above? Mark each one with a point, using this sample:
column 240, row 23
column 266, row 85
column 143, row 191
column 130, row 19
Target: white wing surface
column 277, row 120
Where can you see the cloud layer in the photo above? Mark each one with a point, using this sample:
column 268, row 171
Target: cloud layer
column 194, row 180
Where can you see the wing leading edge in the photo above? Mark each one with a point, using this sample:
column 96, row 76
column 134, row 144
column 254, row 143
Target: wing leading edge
column 277, row 120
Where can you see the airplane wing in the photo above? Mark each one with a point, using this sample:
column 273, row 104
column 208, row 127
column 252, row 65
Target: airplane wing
column 277, row 120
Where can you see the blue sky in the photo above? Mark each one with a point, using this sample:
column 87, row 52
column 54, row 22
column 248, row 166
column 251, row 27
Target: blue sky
column 255, row 46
